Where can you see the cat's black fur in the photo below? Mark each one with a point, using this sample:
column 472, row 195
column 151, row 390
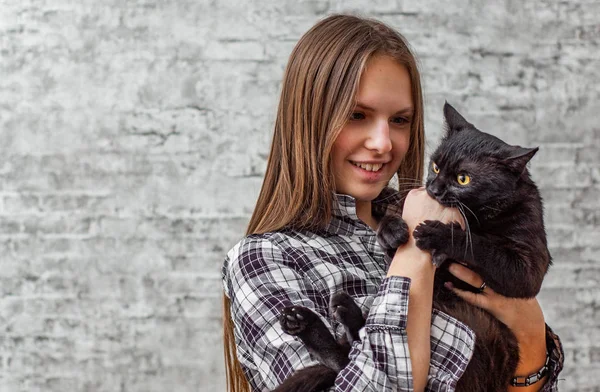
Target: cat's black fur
column 505, row 243
column 333, row 356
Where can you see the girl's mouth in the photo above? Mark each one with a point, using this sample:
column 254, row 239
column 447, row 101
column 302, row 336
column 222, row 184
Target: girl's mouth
column 372, row 167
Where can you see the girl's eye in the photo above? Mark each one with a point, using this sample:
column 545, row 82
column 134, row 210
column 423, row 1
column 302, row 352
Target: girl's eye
column 463, row 179
column 400, row 120
column 357, row 116
column 435, row 168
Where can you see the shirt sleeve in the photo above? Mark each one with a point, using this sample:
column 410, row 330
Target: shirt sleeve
column 261, row 279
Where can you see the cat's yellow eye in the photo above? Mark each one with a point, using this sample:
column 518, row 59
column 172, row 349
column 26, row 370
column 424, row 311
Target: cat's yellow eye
column 463, row 179
column 435, row 168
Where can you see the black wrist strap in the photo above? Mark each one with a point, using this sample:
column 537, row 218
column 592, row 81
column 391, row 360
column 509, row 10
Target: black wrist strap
column 525, row 381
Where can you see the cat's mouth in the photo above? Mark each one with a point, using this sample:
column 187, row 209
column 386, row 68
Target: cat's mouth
column 442, row 198
column 446, row 201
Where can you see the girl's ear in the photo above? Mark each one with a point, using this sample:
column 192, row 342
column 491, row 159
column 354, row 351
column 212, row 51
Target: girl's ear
column 454, row 120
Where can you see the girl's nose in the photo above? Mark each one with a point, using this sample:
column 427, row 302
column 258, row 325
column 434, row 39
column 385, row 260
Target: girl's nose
column 379, row 138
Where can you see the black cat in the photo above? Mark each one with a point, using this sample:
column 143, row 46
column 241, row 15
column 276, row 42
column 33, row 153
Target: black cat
column 504, row 242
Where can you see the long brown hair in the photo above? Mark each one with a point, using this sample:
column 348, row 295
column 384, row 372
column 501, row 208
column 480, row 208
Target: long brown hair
column 318, row 95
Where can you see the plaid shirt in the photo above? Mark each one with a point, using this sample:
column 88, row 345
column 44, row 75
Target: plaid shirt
column 264, row 273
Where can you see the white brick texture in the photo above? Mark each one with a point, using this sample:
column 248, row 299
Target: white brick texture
column 133, row 139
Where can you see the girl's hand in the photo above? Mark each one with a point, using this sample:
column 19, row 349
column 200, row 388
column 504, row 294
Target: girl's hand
column 409, row 260
column 419, row 207
column 523, row 316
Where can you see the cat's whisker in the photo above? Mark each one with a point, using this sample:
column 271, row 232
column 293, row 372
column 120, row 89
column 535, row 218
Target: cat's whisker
column 492, row 208
column 443, row 215
column 467, row 233
column 469, row 241
column 409, row 186
column 469, row 237
column 471, row 211
column 382, row 199
column 410, row 183
column 408, row 180
column 452, row 236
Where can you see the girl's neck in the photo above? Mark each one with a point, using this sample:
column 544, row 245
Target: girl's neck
column 363, row 211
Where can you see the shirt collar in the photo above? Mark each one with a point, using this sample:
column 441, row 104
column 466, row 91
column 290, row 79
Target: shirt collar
column 344, row 219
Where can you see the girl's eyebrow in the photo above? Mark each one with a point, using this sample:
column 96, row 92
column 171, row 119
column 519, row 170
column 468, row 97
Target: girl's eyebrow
column 406, row 111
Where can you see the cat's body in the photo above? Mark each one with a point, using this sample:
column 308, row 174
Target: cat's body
column 504, row 242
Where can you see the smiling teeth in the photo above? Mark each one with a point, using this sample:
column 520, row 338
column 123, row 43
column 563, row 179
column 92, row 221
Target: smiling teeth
column 369, row 166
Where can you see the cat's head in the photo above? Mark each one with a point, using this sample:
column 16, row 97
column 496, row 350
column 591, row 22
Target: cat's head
column 474, row 167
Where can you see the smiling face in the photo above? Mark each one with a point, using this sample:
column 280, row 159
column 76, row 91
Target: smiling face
column 372, row 144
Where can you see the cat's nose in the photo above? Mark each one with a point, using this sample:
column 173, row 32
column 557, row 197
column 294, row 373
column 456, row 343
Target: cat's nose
column 435, row 191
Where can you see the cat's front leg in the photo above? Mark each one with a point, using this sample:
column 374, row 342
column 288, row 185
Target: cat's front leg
column 307, row 325
column 348, row 313
column 392, row 232
column 442, row 240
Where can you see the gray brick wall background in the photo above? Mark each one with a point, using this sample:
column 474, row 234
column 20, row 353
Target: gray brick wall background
column 133, row 138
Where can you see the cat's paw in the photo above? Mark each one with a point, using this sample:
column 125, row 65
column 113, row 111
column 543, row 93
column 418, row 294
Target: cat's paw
column 295, row 319
column 392, row 233
column 348, row 313
column 378, row 210
column 344, row 309
column 436, row 236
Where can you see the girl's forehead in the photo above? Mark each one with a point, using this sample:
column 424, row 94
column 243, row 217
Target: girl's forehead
column 385, row 85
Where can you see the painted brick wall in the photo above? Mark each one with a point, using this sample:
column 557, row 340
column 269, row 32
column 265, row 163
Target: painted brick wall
column 133, row 138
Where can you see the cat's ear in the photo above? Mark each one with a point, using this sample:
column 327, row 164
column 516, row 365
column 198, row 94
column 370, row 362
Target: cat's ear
column 454, row 120
column 518, row 157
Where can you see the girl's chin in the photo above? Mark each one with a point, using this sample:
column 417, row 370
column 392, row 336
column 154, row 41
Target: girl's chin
column 364, row 193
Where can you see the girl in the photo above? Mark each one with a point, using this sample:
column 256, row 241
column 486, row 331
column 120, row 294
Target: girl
column 349, row 118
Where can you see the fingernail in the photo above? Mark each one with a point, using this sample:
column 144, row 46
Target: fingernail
column 449, row 285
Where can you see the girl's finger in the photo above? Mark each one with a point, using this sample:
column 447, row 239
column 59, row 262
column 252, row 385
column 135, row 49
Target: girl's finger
column 478, row 300
column 465, row 274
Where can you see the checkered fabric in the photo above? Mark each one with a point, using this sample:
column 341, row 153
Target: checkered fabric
column 264, row 273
